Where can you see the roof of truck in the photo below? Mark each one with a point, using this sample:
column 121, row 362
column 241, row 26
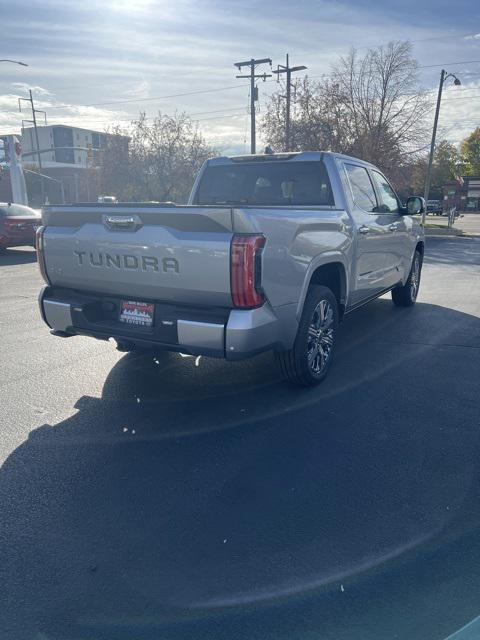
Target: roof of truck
column 293, row 155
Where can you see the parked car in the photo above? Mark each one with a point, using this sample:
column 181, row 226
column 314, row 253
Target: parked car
column 271, row 253
column 18, row 225
column 435, row 207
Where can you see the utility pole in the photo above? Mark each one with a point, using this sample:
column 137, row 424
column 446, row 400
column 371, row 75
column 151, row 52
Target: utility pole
column 253, row 91
column 444, row 75
column 34, row 122
column 288, row 70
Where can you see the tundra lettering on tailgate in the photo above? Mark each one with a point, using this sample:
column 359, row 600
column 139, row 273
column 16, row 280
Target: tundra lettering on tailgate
column 126, row 261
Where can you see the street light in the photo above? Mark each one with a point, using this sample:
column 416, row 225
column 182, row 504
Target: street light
column 443, row 77
column 24, row 64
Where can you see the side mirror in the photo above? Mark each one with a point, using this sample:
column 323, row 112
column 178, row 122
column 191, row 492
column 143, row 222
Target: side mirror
column 415, row 205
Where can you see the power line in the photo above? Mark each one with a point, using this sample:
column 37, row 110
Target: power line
column 382, row 44
column 173, row 95
column 132, row 118
column 448, row 64
column 214, row 90
column 219, row 117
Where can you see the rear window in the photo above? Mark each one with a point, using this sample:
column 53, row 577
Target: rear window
column 16, row 210
column 266, row 183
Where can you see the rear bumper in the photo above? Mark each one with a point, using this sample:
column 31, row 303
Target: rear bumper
column 222, row 333
column 10, row 241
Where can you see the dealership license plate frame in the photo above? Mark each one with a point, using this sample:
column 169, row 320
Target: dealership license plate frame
column 137, row 313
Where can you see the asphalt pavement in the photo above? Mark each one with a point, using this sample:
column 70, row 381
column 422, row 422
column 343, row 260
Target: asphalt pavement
column 149, row 496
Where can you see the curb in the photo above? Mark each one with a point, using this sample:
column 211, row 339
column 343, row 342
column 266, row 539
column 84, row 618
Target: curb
column 451, row 236
column 452, row 233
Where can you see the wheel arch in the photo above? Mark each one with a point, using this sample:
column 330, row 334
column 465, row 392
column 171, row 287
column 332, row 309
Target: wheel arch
column 330, row 271
column 420, row 246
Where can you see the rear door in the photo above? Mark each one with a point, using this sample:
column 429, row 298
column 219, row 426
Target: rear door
column 372, row 264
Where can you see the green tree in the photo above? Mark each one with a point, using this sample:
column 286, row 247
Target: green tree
column 446, row 166
column 470, row 151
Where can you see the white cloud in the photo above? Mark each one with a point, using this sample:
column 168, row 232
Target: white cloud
column 137, row 49
column 459, row 112
column 140, row 89
column 23, row 86
column 88, row 117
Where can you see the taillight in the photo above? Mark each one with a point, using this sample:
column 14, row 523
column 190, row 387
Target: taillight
column 246, row 270
column 40, row 254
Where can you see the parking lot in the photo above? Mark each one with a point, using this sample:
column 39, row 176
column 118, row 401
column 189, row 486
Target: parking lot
column 191, row 498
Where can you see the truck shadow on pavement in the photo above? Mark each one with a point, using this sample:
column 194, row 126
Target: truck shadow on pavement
column 193, row 485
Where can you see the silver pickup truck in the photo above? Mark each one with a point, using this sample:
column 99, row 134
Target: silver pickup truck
column 270, row 253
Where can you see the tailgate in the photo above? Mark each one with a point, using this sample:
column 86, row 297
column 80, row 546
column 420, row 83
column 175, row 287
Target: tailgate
column 178, row 254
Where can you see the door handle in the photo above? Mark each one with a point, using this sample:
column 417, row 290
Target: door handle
column 120, row 221
column 393, row 226
column 363, row 229
column 126, row 223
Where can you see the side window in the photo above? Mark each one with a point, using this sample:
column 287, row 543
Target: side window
column 362, row 188
column 388, row 199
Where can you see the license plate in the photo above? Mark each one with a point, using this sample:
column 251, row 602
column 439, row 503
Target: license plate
column 137, row 313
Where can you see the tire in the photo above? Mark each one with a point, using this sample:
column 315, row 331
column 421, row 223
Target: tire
column 309, row 361
column 406, row 296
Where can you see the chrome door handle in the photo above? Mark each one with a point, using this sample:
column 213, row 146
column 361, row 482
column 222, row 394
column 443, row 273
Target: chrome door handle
column 363, row 229
column 393, row 226
column 126, row 223
column 120, row 221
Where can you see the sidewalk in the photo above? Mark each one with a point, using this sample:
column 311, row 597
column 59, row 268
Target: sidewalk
column 467, row 225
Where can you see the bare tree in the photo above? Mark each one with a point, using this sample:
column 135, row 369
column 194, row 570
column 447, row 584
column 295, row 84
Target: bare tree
column 167, row 154
column 370, row 107
column 164, row 156
column 315, row 118
column 112, row 172
column 383, row 104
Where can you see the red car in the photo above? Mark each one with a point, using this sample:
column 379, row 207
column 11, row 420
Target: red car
column 18, row 225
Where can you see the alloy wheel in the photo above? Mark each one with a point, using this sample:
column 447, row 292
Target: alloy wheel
column 320, row 337
column 415, row 277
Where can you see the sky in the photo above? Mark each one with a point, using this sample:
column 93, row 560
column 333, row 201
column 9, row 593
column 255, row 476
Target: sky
column 98, row 63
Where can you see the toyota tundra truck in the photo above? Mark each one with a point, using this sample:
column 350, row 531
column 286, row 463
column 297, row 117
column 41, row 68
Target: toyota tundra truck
column 270, row 253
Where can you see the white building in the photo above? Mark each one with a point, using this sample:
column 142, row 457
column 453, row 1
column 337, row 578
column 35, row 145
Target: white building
column 69, row 146
column 70, row 157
